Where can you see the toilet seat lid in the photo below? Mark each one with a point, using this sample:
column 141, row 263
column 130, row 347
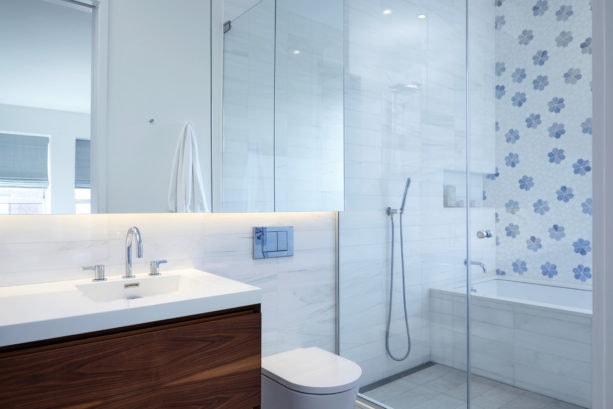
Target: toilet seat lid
column 312, row 370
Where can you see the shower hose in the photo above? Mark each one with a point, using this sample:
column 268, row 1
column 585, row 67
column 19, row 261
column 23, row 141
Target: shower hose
column 391, row 212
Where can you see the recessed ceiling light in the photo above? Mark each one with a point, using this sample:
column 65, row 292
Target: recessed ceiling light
column 296, row 52
column 421, row 17
column 387, row 11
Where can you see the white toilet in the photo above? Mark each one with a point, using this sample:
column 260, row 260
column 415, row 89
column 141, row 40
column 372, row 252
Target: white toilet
column 309, row 378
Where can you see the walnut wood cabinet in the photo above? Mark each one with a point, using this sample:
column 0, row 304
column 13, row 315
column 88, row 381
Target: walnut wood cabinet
column 208, row 361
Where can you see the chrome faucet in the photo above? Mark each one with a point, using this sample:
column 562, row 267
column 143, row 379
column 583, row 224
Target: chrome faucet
column 133, row 234
column 476, row 263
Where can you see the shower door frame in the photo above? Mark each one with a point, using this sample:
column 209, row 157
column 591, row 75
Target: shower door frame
column 602, row 320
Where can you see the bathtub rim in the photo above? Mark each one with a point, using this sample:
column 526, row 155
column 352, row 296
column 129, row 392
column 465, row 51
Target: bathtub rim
column 459, row 290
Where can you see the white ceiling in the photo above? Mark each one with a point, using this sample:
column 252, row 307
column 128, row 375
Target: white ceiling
column 46, row 55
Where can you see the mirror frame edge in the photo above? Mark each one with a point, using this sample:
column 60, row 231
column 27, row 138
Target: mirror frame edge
column 216, row 112
column 99, row 104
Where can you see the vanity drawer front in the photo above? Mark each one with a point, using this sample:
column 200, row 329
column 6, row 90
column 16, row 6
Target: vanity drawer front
column 211, row 362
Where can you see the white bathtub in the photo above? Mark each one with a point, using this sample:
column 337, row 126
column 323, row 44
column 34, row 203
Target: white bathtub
column 527, row 334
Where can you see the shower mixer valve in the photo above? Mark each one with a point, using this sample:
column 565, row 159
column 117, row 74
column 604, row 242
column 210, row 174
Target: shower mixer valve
column 389, row 211
column 485, row 234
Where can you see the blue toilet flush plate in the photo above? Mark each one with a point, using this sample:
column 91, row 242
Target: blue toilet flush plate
column 269, row 242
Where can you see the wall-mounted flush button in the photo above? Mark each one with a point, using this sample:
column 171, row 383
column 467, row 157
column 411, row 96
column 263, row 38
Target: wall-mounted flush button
column 269, row 242
column 282, row 241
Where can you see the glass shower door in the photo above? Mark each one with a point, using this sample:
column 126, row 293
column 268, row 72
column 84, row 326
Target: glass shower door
column 402, row 316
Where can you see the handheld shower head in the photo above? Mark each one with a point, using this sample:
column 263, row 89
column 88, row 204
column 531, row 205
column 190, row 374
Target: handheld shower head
column 404, row 196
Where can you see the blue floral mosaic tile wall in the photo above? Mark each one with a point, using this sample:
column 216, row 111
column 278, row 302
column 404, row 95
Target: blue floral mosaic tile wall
column 542, row 186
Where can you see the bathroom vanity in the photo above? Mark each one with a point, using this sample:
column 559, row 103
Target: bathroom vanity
column 195, row 346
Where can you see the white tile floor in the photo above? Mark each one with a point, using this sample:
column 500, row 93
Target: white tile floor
column 441, row 387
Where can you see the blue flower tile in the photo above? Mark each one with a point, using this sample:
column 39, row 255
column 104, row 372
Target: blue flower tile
column 526, row 183
column 564, row 38
column 582, row 273
column 564, row 13
column 499, row 22
column 581, row 167
column 556, row 155
column 512, row 160
column 582, row 247
column 512, row 136
column 512, row 230
column 533, row 121
column 564, row 194
column 586, row 207
column 540, row 58
column 586, row 46
column 557, row 232
column 572, row 76
column 525, row 37
column 556, row 130
column 540, row 8
column 500, row 91
column 586, row 126
column 540, row 207
column 534, row 244
column 556, row 105
column 540, row 82
column 500, row 68
column 519, row 99
column 512, row 206
column 518, row 75
column 549, row 269
column 519, row 266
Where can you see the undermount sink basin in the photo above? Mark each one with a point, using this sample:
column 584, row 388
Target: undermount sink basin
column 130, row 289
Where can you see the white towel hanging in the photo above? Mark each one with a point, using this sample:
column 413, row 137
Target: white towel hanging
column 185, row 190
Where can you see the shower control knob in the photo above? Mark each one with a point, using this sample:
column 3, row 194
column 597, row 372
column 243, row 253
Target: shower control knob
column 484, row 234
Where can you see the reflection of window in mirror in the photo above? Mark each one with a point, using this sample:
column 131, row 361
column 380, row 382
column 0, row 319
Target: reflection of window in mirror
column 82, row 180
column 45, row 89
column 24, row 179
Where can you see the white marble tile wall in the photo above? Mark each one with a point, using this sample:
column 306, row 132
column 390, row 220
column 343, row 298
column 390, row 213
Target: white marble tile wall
column 298, row 304
column 405, row 117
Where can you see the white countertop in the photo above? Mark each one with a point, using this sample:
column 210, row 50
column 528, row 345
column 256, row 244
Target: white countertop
column 43, row 311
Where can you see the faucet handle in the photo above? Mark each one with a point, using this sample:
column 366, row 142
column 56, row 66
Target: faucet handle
column 98, row 271
column 154, row 267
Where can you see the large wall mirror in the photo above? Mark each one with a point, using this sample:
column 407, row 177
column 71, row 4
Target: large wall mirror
column 45, row 97
column 264, row 104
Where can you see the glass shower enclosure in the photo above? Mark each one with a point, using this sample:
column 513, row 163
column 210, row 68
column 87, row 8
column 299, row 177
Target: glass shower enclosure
column 465, row 243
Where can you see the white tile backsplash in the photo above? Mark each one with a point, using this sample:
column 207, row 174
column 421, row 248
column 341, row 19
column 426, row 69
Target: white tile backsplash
column 298, row 304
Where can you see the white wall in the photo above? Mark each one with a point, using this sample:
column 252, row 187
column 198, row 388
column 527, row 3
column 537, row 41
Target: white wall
column 63, row 128
column 159, row 68
column 298, row 304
